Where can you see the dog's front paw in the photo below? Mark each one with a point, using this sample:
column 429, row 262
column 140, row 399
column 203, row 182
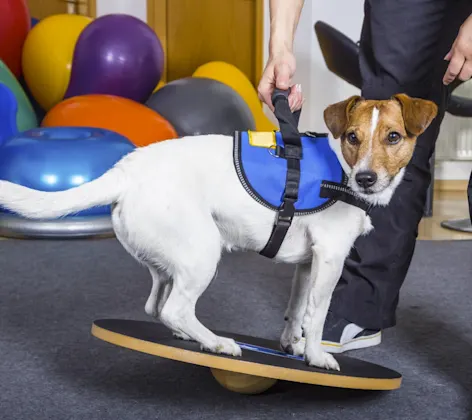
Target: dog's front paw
column 322, row 360
column 293, row 345
column 224, row 345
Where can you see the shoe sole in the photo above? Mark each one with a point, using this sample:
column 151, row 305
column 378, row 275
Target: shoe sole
column 354, row 344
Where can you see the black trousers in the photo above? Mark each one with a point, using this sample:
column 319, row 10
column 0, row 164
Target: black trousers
column 402, row 49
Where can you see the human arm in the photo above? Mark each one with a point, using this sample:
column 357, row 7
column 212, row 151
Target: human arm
column 281, row 65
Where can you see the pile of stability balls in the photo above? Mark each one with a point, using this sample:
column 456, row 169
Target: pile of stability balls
column 76, row 94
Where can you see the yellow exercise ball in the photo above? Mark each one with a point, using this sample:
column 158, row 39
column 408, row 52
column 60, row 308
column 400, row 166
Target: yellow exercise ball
column 231, row 76
column 47, row 56
column 158, row 86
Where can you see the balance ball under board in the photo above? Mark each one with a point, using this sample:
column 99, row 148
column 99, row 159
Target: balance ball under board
column 60, row 158
column 202, row 106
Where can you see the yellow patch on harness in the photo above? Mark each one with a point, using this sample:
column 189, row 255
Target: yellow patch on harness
column 264, row 139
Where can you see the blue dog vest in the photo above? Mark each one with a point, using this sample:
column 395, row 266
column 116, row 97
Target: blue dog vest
column 263, row 173
column 294, row 178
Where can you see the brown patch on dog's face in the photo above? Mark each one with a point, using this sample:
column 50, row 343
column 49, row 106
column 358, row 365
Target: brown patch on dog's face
column 378, row 138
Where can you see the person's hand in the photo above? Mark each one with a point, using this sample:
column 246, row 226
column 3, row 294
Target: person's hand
column 460, row 55
column 278, row 73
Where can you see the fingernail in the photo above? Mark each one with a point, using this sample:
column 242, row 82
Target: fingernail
column 299, row 87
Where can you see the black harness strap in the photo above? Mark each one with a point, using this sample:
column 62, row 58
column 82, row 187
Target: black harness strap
column 292, row 152
column 343, row 193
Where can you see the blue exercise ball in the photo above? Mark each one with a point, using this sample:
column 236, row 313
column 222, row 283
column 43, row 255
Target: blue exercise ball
column 60, row 158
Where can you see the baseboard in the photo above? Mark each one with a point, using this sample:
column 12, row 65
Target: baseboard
column 450, row 184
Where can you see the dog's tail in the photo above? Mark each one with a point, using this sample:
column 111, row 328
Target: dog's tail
column 34, row 204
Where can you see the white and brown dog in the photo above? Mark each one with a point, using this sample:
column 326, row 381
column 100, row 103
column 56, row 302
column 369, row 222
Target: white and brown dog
column 177, row 205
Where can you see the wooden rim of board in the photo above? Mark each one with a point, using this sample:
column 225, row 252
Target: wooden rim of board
column 245, row 367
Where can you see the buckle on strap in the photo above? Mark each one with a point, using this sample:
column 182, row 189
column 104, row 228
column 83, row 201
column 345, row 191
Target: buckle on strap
column 289, row 151
column 286, row 211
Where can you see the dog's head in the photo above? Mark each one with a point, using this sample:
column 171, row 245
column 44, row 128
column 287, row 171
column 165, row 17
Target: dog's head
column 378, row 139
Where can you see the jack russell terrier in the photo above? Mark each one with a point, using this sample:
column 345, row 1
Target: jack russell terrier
column 178, row 204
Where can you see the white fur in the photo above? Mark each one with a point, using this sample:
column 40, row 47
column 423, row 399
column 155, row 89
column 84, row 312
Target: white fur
column 177, row 205
column 374, row 121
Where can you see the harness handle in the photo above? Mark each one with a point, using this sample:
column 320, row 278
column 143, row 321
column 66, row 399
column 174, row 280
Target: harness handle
column 288, row 120
column 292, row 152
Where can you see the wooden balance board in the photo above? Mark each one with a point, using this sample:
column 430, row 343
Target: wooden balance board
column 261, row 365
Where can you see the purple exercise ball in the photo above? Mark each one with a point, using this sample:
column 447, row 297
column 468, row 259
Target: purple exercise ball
column 116, row 54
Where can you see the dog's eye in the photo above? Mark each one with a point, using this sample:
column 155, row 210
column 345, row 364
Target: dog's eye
column 394, row 138
column 352, row 138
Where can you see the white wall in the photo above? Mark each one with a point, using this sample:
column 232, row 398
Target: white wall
column 135, row 8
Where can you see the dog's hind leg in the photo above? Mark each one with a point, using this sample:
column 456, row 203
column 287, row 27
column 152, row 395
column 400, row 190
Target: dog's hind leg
column 178, row 314
column 291, row 339
column 194, row 272
column 160, row 291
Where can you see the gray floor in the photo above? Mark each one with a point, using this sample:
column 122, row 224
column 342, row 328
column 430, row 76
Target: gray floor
column 52, row 368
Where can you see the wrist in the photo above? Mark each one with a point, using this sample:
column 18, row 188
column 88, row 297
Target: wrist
column 279, row 47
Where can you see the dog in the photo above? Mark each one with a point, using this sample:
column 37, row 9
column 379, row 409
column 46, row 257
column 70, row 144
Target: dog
column 177, row 205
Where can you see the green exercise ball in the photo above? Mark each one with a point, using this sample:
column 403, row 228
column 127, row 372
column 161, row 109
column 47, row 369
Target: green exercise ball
column 25, row 116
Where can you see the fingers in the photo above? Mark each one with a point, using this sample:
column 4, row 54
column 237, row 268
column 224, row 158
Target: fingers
column 466, row 72
column 283, row 76
column 448, row 55
column 266, row 87
column 265, row 94
column 454, row 68
column 278, row 74
column 295, row 99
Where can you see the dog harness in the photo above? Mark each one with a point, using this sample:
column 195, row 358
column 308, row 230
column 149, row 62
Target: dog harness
column 289, row 172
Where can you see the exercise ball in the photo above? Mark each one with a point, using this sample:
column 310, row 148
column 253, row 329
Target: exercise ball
column 117, row 55
column 25, row 117
column 8, row 111
column 15, row 23
column 47, row 56
column 60, row 158
column 159, row 85
column 141, row 125
column 202, row 106
column 233, row 77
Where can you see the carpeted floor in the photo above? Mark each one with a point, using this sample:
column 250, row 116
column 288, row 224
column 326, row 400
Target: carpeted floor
column 52, row 368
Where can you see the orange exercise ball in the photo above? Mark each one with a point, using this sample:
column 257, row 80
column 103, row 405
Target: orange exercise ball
column 140, row 124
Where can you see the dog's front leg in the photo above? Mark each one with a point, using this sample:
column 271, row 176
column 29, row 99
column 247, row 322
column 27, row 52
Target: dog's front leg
column 291, row 339
column 324, row 279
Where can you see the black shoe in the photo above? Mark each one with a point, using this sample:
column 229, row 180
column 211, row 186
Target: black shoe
column 340, row 335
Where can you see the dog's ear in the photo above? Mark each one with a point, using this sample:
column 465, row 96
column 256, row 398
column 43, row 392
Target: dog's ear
column 336, row 116
column 417, row 113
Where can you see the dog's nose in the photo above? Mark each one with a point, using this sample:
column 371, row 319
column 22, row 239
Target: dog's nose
column 366, row 179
